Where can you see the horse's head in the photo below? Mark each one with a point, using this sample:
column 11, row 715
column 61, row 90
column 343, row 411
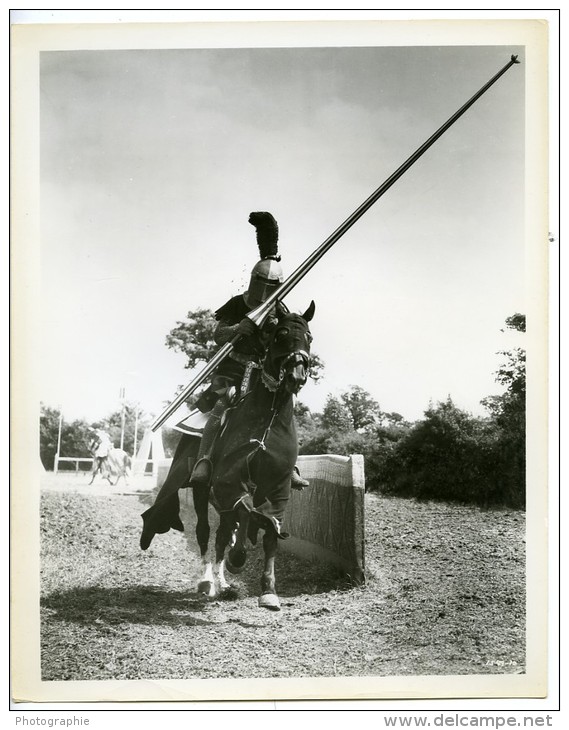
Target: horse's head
column 288, row 353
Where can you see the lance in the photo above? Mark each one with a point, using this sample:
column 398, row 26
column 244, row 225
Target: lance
column 259, row 314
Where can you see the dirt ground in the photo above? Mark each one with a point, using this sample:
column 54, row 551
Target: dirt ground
column 444, row 594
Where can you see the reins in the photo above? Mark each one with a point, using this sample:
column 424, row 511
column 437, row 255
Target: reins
column 273, row 385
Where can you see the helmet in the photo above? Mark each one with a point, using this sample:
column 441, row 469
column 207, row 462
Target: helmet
column 266, row 277
column 267, row 273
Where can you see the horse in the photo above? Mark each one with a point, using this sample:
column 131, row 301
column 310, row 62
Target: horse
column 119, row 463
column 253, row 460
column 100, row 450
column 116, row 463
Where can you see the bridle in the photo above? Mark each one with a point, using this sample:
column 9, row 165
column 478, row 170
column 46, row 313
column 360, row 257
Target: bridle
column 289, row 361
column 298, row 357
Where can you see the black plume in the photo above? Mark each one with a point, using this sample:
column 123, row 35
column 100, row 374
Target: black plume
column 267, row 235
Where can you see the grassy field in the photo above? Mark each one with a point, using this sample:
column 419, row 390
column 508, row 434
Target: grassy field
column 445, row 594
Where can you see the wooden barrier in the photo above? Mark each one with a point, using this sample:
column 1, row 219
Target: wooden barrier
column 71, row 459
column 325, row 520
column 76, row 460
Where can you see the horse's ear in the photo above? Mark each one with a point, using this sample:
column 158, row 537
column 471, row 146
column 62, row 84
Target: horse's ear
column 309, row 312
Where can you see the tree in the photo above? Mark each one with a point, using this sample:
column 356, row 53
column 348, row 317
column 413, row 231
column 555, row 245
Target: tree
column 74, row 436
column 311, row 436
column 49, row 429
column 509, row 409
column 512, row 373
column 363, row 409
column 193, row 337
column 352, row 424
column 316, row 367
column 517, row 322
column 447, row 455
column 335, row 416
column 508, row 414
column 393, row 419
column 302, row 415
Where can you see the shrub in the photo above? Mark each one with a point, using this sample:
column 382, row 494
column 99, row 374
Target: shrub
column 451, row 455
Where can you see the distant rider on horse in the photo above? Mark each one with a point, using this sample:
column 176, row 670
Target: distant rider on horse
column 100, row 446
column 232, row 377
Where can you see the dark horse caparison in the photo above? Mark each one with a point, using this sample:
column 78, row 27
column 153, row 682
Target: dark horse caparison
column 253, row 461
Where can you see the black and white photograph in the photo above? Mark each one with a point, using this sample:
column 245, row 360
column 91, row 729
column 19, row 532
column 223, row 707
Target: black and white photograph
column 279, row 326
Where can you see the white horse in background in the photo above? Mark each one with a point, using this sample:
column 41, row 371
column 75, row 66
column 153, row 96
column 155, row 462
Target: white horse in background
column 120, row 464
column 108, row 460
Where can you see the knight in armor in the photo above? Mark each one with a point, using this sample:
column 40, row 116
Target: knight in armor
column 232, row 377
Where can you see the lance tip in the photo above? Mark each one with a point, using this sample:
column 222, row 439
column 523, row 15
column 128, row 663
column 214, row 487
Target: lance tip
column 515, row 59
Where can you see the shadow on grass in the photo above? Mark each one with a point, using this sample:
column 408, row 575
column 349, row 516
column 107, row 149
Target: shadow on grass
column 134, row 605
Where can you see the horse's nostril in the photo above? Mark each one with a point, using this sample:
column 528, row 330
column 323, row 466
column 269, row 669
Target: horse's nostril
column 296, row 378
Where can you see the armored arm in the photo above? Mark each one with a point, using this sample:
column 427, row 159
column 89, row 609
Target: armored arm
column 225, row 332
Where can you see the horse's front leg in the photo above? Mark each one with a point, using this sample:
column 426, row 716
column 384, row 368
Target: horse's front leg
column 94, row 470
column 268, row 598
column 224, row 536
column 200, row 496
column 206, row 584
column 237, row 556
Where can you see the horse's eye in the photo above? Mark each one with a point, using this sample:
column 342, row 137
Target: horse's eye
column 281, row 333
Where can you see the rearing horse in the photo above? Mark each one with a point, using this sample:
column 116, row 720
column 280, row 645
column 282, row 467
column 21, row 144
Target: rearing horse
column 253, row 461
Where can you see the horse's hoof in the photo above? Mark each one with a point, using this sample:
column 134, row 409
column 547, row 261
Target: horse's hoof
column 270, row 601
column 207, row 588
column 235, row 561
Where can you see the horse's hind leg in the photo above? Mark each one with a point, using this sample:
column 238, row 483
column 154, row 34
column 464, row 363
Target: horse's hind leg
column 106, row 471
column 121, row 473
column 268, row 598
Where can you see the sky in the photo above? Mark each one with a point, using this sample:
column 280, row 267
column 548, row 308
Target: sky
column 152, row 160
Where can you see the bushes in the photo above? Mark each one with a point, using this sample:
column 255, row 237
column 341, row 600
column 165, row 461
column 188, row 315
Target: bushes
column 451, row 455
column 448, row 455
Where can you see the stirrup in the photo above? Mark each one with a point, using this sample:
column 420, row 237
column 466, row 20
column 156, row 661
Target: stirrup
column 201, row 475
